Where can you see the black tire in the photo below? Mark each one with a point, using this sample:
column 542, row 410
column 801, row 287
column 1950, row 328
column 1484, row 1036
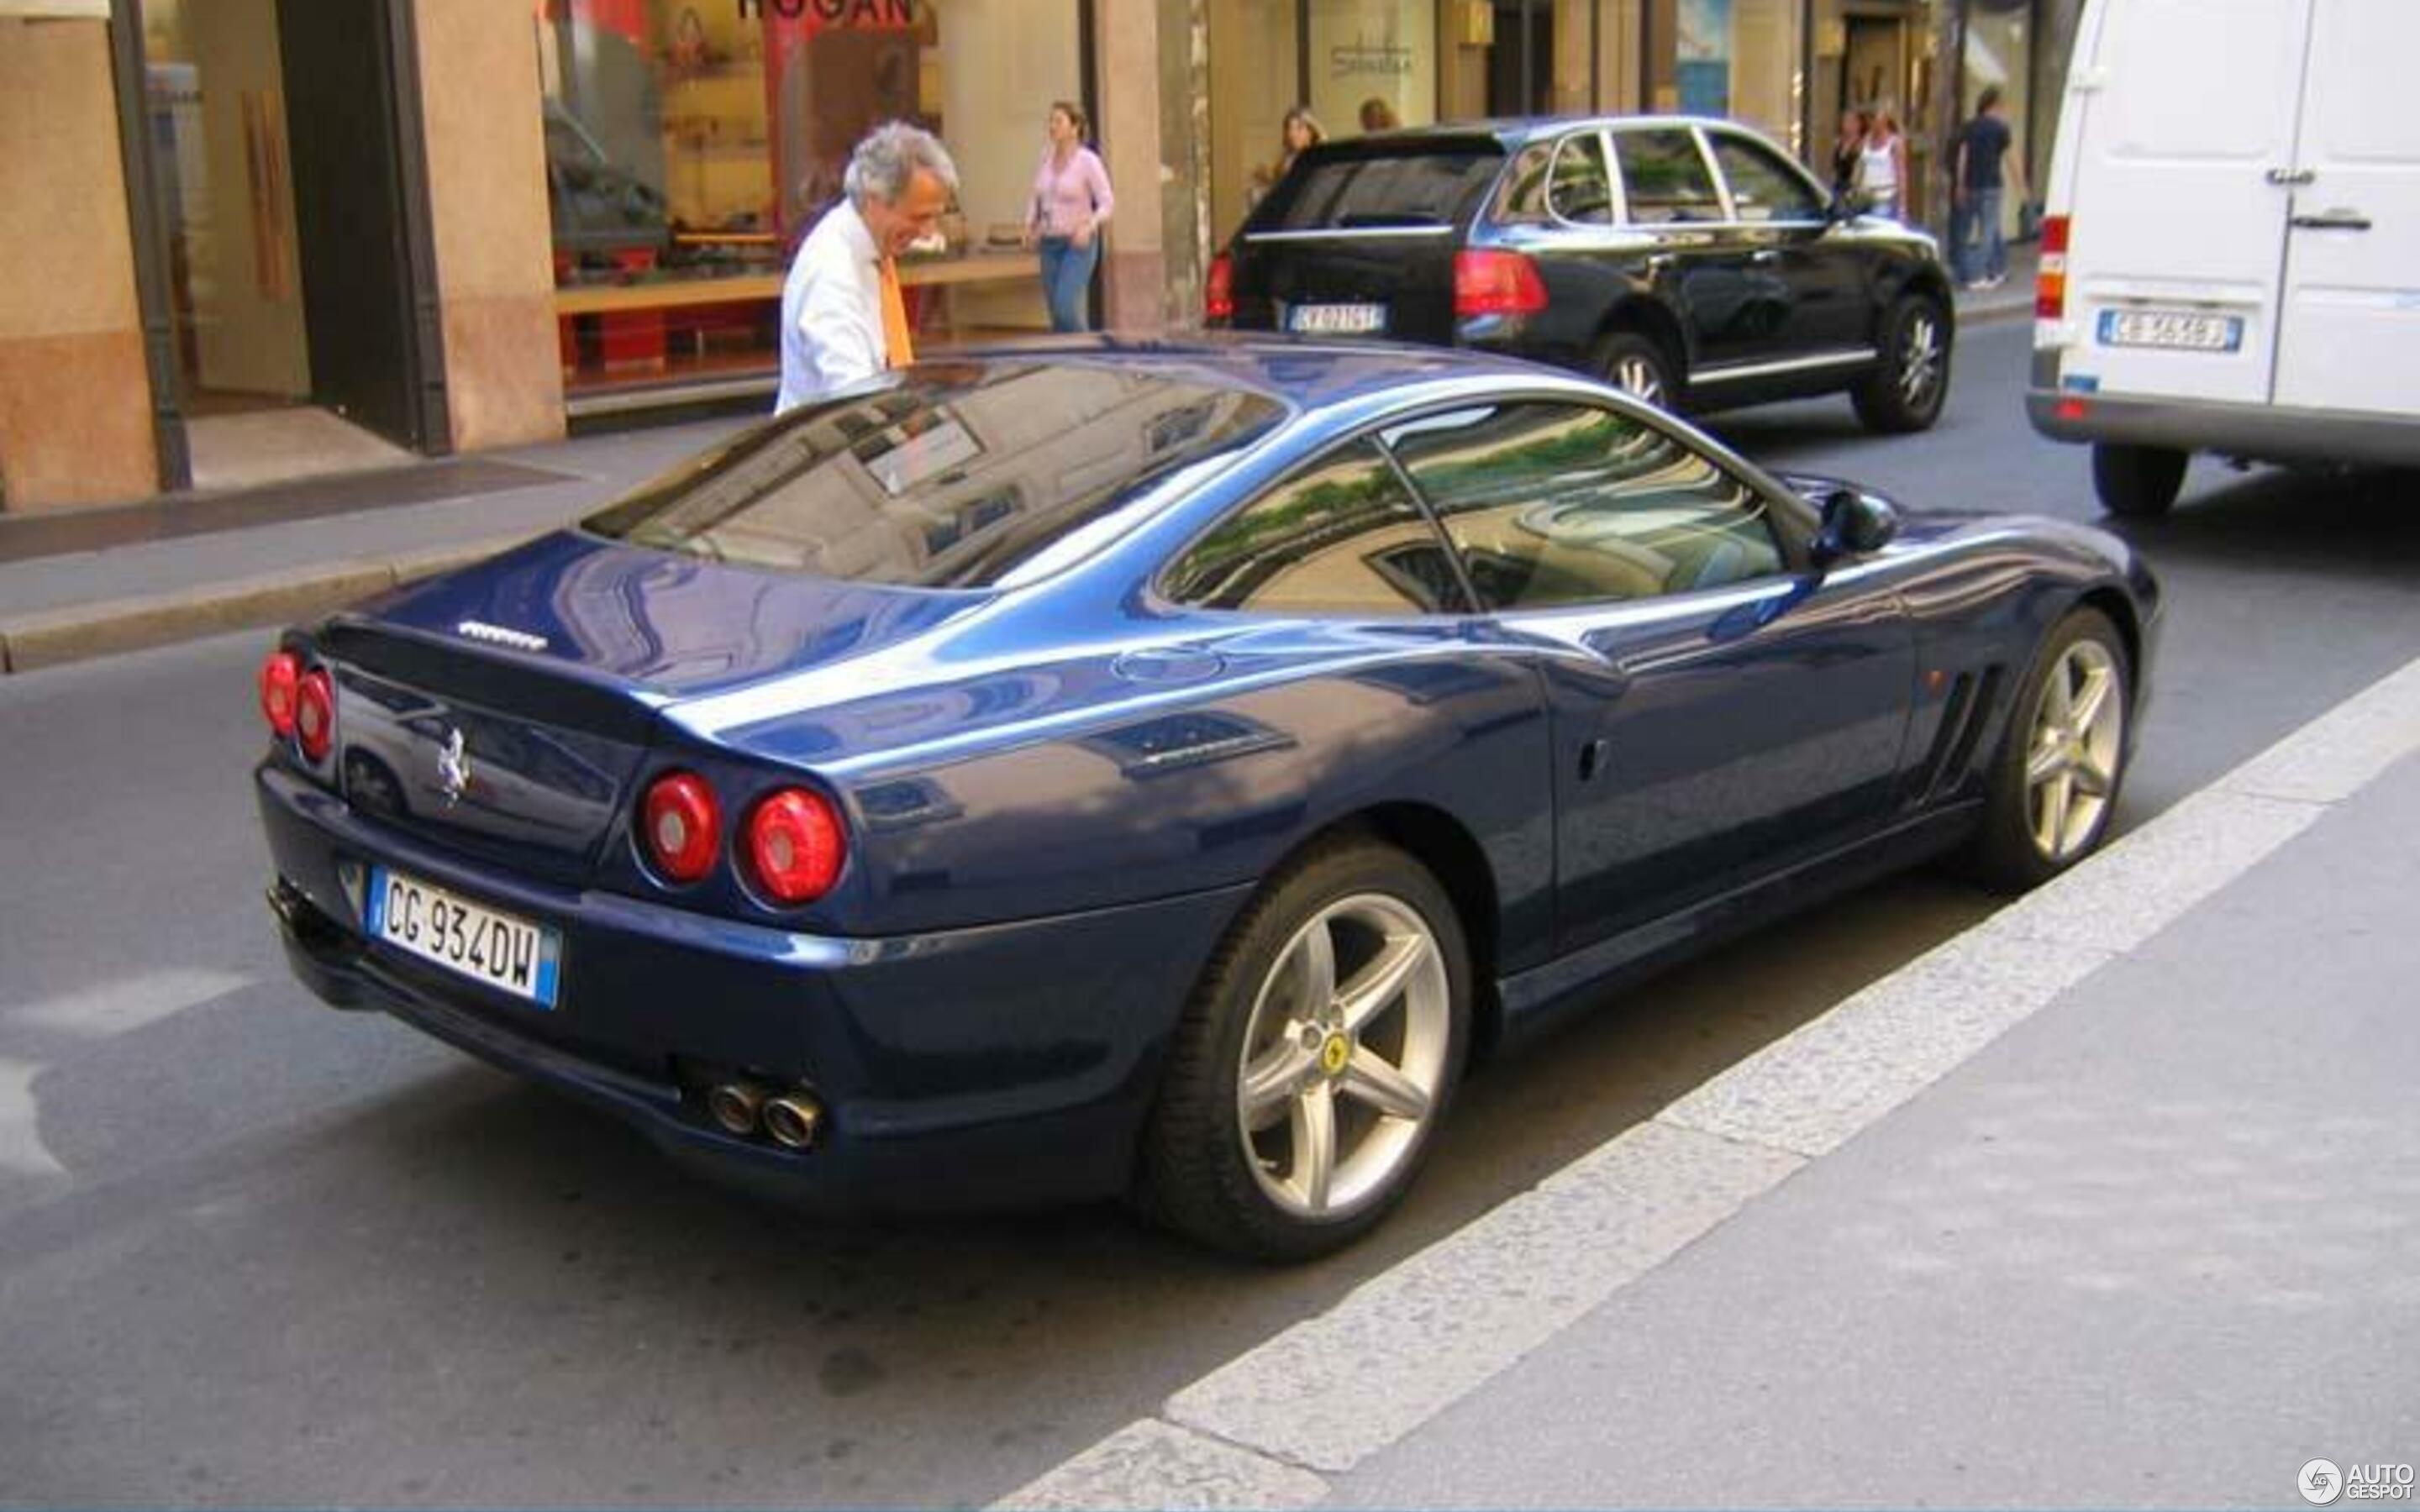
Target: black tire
column 1199, row 1171
column 2009, row 851
column 1640, row 366
column 1905, row 391
column 2137, row 482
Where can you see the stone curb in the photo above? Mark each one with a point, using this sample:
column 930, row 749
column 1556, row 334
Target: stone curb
column 53, row 637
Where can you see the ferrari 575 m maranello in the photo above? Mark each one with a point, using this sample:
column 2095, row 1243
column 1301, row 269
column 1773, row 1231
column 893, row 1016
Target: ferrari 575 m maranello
column 1159, row 770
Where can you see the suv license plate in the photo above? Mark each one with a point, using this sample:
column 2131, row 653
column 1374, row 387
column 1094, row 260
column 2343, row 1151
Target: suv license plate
column 484, row 944
column 2177, row 330
column 1336, row 319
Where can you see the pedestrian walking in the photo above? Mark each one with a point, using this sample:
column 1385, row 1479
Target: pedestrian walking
column 1072, row 199
column 1881, row 164
column 1848, row 149
column 843, row 318
column 1296, row 134
column 1983, row 165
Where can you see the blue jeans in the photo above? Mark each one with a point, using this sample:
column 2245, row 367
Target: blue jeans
column 1066, row 276
column 1981, row 212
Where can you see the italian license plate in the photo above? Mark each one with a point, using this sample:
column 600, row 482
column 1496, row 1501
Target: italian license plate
column 472, row 939
column 2178, row 329
column 1336, row 319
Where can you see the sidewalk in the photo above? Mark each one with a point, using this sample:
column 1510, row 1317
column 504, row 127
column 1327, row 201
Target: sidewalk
column 2109, row 1201
column 98, row 582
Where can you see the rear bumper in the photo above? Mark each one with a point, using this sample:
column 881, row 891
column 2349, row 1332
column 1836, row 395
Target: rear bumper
column 1007, row 1066
column 2263, row 433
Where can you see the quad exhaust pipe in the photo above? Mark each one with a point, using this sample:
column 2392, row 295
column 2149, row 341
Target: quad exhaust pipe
column 794, row 1119
column 791, row 1119
column 737, row 1106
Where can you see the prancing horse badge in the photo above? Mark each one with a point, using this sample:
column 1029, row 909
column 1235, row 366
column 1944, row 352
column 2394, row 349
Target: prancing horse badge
column 454, row 768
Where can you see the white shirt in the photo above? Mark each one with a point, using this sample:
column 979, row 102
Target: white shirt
column 1879, row 173
column 831, row 310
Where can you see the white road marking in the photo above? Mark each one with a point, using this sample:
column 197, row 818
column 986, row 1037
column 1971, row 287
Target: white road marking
column 1332, row 1391
column 121, row 1007
column 97, row 1012
column 22, row 1150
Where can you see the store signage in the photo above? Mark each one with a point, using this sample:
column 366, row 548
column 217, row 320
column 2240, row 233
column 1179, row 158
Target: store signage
column 1365, row 60
column 834, row 12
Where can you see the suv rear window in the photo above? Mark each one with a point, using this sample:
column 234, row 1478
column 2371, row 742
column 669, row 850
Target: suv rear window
column 1405, row 183
column 954, row 480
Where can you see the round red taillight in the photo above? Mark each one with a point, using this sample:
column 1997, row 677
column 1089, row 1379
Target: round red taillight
column 796, row 846
column 278, row 676
column 315, row 714
column 681, row 826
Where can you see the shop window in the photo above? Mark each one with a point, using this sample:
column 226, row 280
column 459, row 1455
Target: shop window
column 692, row 144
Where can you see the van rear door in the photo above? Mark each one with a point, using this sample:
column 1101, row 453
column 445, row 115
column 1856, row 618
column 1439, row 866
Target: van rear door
column 2178, row 209
column 2352, row 259
column 1360, row 239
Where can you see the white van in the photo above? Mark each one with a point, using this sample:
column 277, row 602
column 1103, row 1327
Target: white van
column 2232, row 249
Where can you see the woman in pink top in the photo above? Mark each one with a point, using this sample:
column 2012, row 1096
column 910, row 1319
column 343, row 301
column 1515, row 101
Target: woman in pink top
column 1071, row 200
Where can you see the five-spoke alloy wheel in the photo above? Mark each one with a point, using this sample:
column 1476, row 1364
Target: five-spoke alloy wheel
column 1310, row 1071
column 2060, row 768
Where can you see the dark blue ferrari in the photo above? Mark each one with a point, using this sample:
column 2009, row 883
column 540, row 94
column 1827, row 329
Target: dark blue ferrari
column 1158, row 770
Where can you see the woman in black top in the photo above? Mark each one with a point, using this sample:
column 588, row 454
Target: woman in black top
column 1845, row 148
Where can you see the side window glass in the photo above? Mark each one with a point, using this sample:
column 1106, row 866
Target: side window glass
column 1579, row 190
column 1664, row 176
column 1763, row 186
column 1342, row 538
column 1560, row 504
column 1522, row 201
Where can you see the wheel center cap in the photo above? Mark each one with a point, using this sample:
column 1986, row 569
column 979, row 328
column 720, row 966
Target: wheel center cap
column 1334, row 1054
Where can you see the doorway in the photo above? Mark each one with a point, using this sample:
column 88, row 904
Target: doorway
column 1521, row 65
column 1871, row 68
column 288, row 290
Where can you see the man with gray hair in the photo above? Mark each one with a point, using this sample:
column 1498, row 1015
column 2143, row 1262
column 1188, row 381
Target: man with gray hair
column 842, row 319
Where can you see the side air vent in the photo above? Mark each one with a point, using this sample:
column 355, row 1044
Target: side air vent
column 1963, row 715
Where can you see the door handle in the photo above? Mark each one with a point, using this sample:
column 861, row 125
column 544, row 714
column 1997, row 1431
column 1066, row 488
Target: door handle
column 1659, row 262
column 2338, row 220
column 1765, row 255
column 2289, row 178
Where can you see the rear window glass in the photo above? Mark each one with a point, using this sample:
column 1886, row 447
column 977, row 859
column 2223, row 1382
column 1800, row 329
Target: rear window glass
column 954, row 479
column 1411, row 184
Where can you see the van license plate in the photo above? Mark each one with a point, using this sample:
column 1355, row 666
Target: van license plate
column 484, row 944
column 2177, row 330
column 1336, row 319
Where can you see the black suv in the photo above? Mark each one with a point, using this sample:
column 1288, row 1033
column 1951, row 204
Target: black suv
column 1687, row 261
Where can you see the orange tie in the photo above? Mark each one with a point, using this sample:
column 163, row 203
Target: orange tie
column 894, row 317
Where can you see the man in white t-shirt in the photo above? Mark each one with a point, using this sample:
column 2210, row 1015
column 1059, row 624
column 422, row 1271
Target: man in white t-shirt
column 842, row 319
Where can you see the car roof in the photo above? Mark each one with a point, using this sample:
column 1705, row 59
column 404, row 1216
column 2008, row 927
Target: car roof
column 1515, row 131
column 1302, row 374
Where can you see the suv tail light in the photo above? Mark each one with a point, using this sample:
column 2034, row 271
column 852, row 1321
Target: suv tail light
column 1218, row 293
column 796, row 846
column 315, row 714
column 681, row 826
column 2050, row 278
column 279, row 676
column 1491, row 281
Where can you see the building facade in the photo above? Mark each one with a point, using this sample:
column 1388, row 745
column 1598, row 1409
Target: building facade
column 468, row 224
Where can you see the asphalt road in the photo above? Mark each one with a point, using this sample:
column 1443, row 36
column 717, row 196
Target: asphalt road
column 255, row 1252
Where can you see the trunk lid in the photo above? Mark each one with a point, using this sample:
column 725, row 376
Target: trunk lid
column 509, row 710
column 1360, row 239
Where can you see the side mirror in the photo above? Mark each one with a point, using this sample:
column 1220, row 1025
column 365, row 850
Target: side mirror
column 1851, row 203
column 1855, row 524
